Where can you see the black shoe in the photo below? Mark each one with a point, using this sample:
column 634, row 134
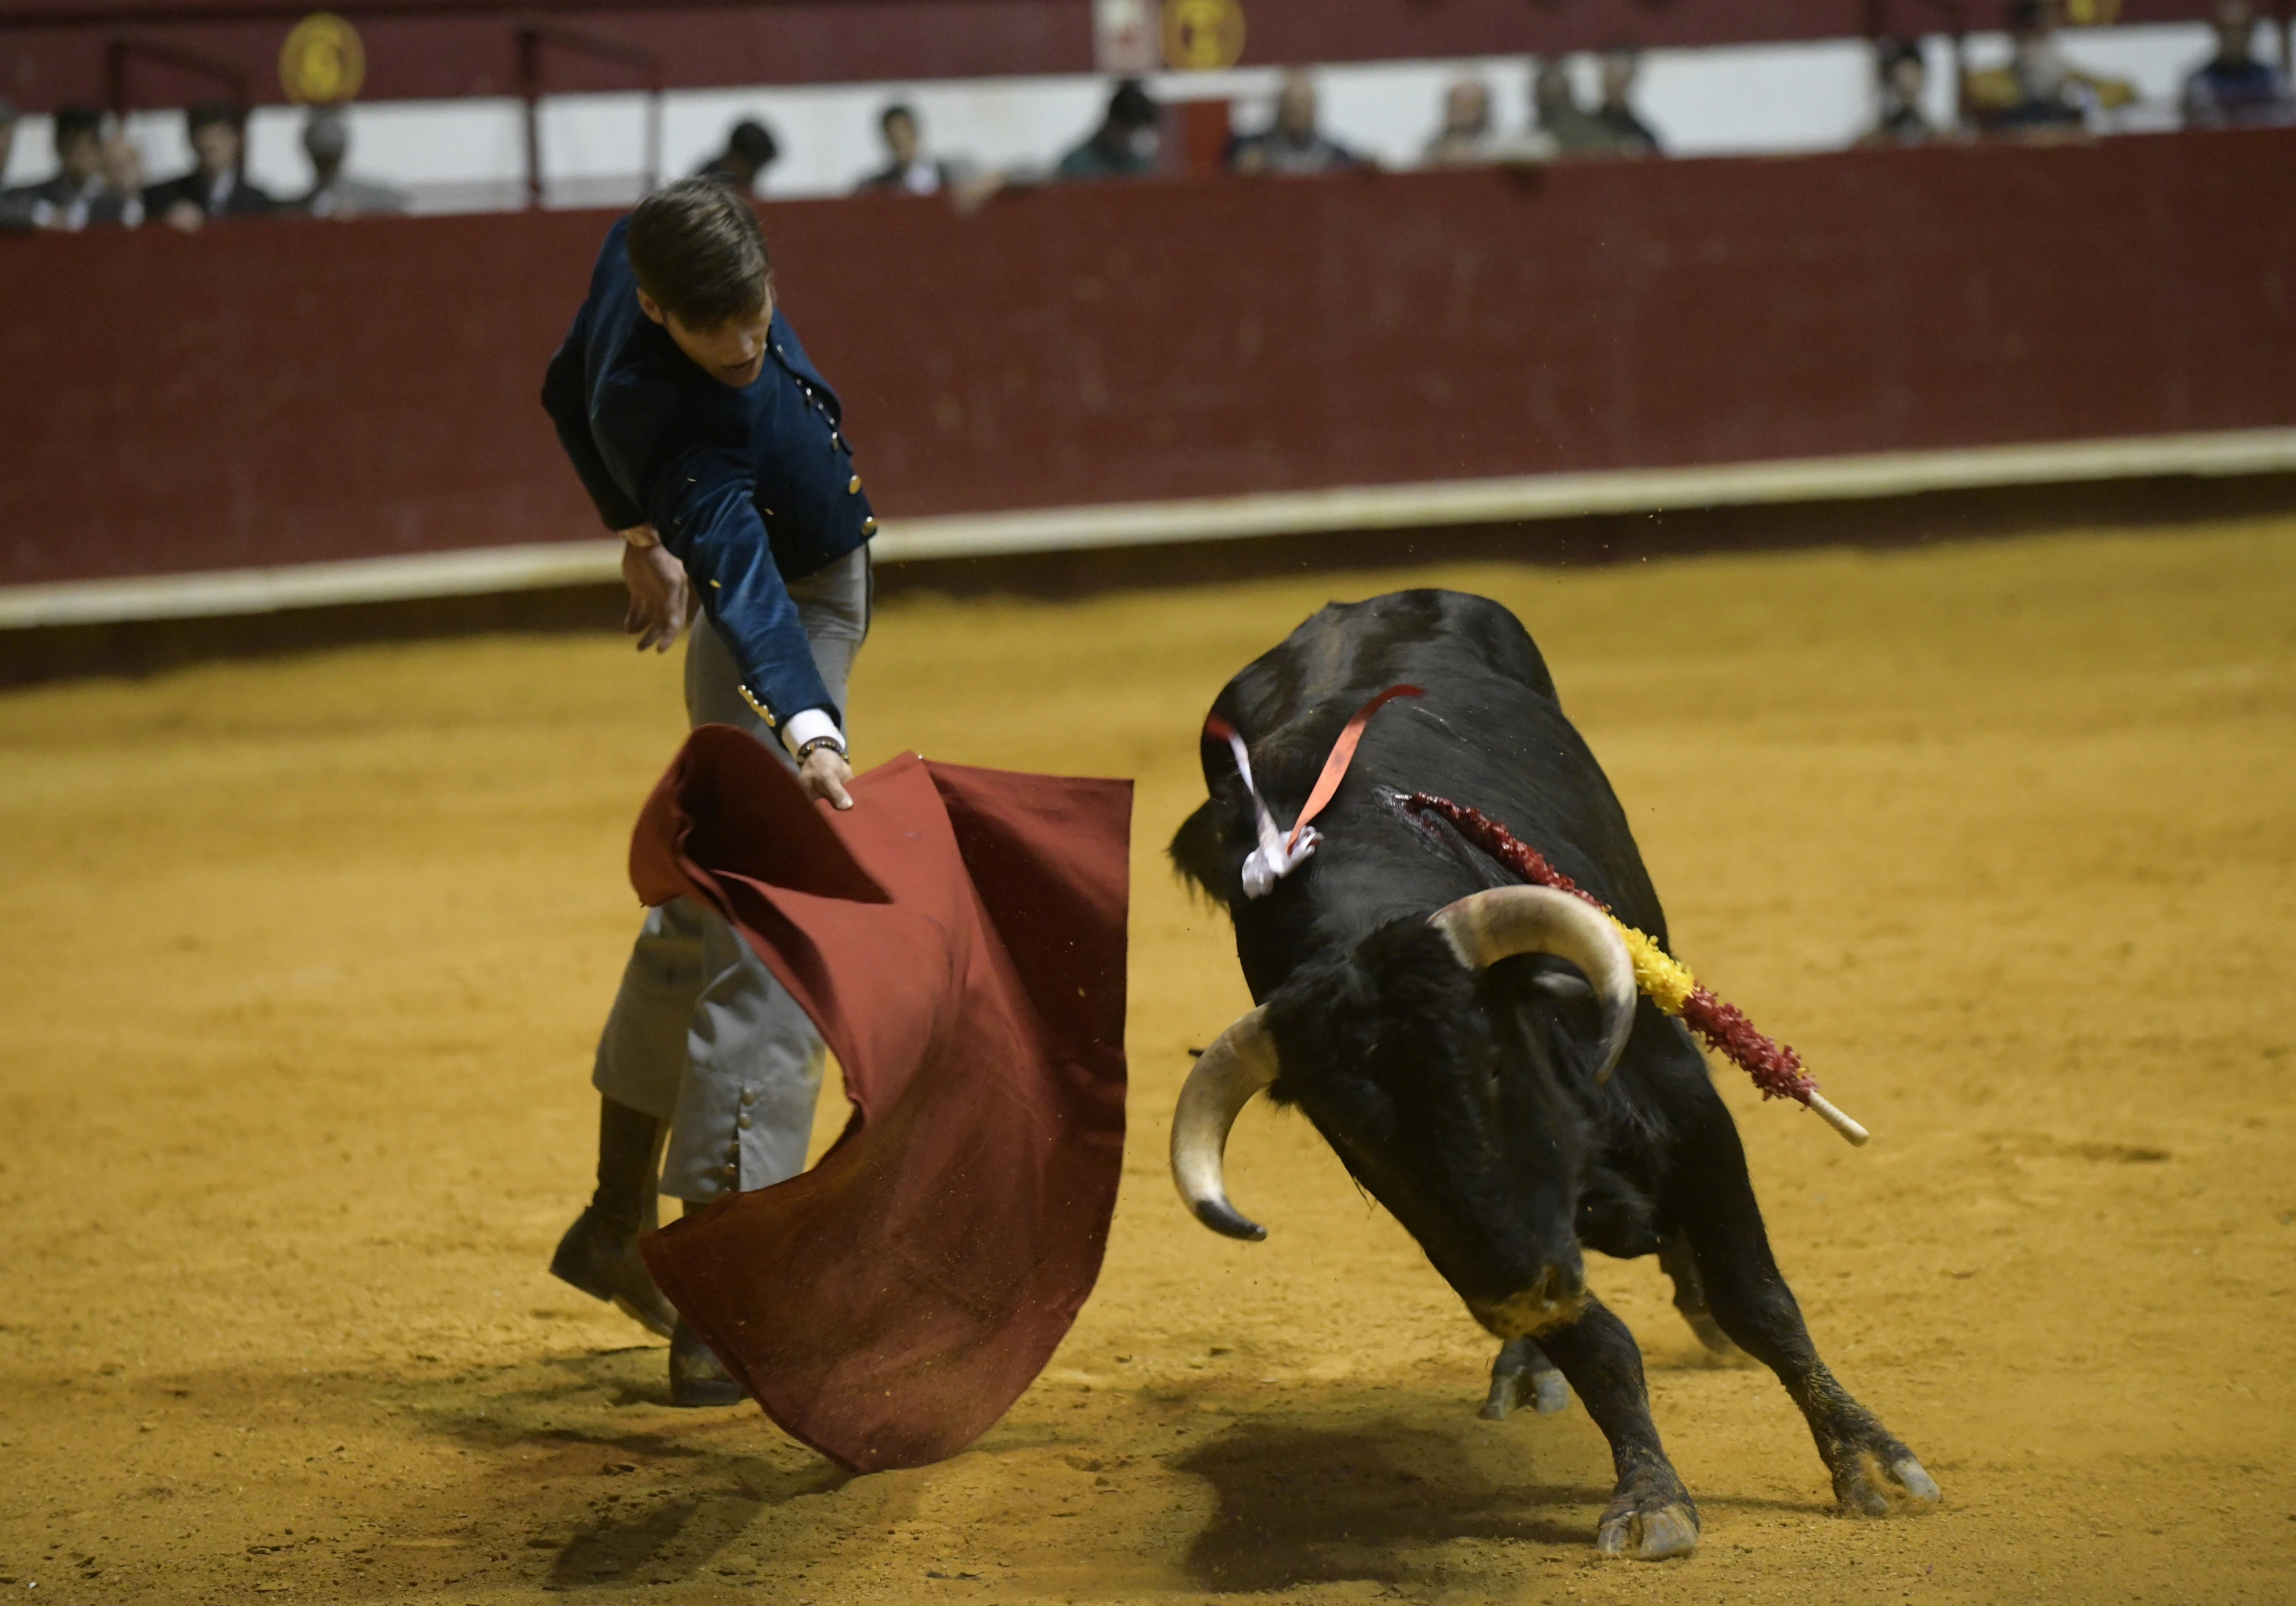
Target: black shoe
column 599, row 1254
column 604, row 1263
column 696, row 1376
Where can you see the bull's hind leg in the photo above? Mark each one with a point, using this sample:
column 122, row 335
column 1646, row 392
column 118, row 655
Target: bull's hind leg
column 1677, row 1259
column 1523, row 1375
column 1650, row 1514
column 1749, row 1297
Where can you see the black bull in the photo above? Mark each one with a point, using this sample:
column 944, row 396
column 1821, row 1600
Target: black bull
column 1468, row 1100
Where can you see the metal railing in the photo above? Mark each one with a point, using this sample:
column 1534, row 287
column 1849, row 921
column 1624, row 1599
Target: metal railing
column 533, row 35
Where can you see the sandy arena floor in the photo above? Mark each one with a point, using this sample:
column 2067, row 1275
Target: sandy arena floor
column 302, row 963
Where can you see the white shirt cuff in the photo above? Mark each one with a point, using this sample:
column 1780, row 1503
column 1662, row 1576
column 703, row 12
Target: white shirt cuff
column 800, row 728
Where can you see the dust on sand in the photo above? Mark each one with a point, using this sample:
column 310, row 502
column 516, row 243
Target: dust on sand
column 303, row 962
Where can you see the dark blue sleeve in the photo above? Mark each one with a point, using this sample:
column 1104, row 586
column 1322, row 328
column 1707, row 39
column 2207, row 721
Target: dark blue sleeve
column 566, row 398
column 704, row 507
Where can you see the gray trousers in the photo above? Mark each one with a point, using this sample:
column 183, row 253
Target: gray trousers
column 701, row 1034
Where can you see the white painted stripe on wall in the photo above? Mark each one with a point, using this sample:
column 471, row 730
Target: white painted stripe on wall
column 226, row 592
column 1440, row 502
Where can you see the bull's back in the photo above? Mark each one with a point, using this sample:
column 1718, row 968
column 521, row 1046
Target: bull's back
column 1356, row 649
column 1488, row 732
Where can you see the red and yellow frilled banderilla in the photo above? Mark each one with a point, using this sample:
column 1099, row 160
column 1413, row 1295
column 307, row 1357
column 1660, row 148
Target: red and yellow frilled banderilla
column 1776, row 1068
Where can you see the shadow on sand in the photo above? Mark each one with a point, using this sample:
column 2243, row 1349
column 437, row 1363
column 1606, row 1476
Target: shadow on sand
column 1307, row 1505
column 668, row 1504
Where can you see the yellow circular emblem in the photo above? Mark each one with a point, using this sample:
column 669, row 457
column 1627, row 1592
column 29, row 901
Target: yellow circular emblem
column 323, row 62
column 1202, row 35
column 2092, row 14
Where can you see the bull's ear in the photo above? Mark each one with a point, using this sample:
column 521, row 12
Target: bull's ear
column 1508, row 923
column 1199, row 852
column 1561, row 1022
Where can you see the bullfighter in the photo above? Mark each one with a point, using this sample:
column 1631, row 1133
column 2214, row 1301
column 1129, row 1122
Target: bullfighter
column 713, row 447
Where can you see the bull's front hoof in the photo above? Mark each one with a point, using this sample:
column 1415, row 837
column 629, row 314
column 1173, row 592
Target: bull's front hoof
column 1648, row 1536
column 1871, row 1487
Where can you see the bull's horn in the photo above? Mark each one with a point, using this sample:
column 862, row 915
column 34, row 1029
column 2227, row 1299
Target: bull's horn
column 1240, row 1063
column 1487, row 927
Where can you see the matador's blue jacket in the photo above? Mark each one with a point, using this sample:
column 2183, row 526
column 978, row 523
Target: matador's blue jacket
column 747, row 489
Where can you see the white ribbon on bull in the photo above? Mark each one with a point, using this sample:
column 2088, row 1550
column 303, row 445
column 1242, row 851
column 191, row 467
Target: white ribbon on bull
column 1482, row 929
column 1273, row 858
column 1279, row 854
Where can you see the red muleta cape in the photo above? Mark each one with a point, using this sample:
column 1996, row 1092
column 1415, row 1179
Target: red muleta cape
column 959, row 938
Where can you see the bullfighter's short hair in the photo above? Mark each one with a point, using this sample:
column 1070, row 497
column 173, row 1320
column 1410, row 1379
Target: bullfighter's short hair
column 697, row 250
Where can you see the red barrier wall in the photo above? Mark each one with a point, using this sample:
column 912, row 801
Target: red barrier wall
column 285, row 391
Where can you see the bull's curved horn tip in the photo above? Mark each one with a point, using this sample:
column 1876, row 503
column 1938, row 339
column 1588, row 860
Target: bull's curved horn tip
column 1228, row 1224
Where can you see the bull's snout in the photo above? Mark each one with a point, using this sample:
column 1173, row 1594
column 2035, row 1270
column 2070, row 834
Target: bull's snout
column 1556, row 1297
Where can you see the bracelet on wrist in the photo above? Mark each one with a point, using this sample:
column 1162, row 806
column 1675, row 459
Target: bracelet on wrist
column 805, row 750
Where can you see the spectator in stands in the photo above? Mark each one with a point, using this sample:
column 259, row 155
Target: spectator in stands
column 2236, row 90
column 1903, row 80
column 217, row 187
column 1629, row 134
column 750, row 149
column 1127, row 143
column 123, row 179
column 1556, row 113
column 1293, row 144
column 1466, row 137
column 907, row 167
column 2040, row 93
column 76, row 197
column 333, row 192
